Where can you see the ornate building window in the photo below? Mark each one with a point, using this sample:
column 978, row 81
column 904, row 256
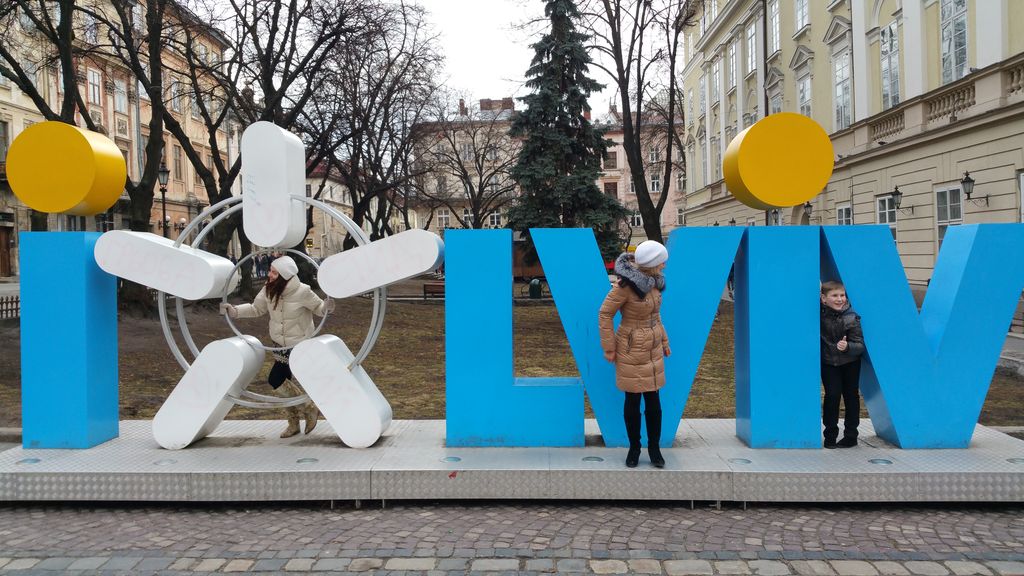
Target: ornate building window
column 890, row 52
column 953, row 16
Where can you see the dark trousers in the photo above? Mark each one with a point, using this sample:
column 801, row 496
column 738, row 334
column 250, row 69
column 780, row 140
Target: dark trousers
column 279, row 372
column 840, row 382
column 652, row 414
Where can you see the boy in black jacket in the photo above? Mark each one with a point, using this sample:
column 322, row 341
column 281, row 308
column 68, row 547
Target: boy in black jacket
column 842, row 344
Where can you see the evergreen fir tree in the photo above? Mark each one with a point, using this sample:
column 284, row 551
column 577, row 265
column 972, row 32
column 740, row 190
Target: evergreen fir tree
column 562, row 151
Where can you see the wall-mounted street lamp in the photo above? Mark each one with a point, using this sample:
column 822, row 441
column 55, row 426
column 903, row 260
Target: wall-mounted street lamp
column 732, row 222
column 897, row 200
column 967, row 185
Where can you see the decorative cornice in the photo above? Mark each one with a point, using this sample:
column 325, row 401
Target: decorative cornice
column 801, row 57
column 837, row 30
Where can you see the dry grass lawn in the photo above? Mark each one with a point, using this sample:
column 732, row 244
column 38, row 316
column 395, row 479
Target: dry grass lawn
column 408, row 362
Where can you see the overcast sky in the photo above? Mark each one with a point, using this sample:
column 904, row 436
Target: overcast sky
column 486, row 56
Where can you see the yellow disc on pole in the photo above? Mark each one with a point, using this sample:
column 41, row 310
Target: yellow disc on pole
column 56, row 167
column 782, row 160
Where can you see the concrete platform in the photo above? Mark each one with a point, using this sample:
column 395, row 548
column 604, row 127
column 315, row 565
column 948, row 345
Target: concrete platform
column 245, row 461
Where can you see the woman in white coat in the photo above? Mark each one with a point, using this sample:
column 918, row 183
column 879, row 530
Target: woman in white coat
column 291, row 305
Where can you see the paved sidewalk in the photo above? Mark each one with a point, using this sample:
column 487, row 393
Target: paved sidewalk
column 496, row 537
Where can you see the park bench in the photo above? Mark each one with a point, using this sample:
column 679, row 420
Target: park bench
column 433, row 290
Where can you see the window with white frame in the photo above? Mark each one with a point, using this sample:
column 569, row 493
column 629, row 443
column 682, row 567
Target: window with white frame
column 654, row 154
column 4, row 140
column 712, row 10
column 691, row 153
column 689, row 102
column 611, row 189
column 704, row 167
column 494, row 219
column 948, row 210
column 716, row 158
column 655, row 183
column 703, row 102
column 31, row 70
column 680, row 217
column 803, row 94
column 466, row 151
column 120, row 96
column 492, row 153
column 775, row 99
column 751, row 221
column 444, row 218
column 802, row 16
column 141, row 87
column 730, row 57
column 716, row 69
column 842, row 92
column 885, row 210
column 844, row 214
column 92, row 29
column 196, row 112
column 751, row 47
column 774, row 41
column 636, row 220
column 632, row 187
column 680, row 180
column 953, row 39
column 179, row 166
column 95, row 80
column 176, row 96
column 890, row 53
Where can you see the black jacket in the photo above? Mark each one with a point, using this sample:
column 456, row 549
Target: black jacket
column 834, row 325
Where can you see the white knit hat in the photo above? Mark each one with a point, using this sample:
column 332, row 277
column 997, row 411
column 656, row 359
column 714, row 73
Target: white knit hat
column 650, row 253
column 285, row 266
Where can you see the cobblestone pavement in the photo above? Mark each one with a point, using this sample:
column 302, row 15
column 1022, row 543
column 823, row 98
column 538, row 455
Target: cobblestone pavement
column 501, row 537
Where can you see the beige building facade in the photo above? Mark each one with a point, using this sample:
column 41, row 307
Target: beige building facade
column 923, row 96
column 115, row 102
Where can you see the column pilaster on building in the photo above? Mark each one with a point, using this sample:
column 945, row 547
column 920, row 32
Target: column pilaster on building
column 861, row 73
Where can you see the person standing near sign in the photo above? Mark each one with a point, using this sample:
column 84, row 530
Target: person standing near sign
column 291, row 305
column 842, row 344
column 640, row 346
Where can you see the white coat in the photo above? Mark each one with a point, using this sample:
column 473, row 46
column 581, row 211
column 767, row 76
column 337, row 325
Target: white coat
column 291, row 321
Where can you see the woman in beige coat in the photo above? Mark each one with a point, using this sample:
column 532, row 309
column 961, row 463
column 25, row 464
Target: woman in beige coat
column 641, row 344
column 291, row 305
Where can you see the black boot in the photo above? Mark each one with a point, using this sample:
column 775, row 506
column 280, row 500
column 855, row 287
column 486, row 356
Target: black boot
column 653, row 417
column 633, row 433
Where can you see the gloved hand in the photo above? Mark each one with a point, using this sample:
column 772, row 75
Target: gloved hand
column 328, row 306
column 229, row 310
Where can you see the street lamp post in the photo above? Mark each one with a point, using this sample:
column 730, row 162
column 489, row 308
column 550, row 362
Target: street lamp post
column 163, row 174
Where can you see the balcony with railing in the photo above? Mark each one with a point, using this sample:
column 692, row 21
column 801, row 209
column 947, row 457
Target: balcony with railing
column 982, row 92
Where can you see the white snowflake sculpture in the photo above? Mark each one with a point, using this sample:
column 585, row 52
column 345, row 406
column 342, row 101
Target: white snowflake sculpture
column 273, row 207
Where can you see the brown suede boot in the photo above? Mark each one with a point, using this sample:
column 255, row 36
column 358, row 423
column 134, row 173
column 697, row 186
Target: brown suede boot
column 292, row 429
column 312, row 414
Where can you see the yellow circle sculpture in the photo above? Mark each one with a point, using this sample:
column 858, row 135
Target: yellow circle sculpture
column 56, row 167
column 783, row 160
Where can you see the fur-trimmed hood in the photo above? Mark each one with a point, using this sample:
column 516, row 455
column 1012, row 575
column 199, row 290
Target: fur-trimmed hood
column 629, row 275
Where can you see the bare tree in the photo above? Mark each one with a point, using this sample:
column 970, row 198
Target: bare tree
column 469, row 156
column 384, row 81
column 639, row 44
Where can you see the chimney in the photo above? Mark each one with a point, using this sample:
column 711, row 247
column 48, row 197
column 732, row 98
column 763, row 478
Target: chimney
column 507, row 104
column 485, row 105
column 586, row 114
column 462, row 108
